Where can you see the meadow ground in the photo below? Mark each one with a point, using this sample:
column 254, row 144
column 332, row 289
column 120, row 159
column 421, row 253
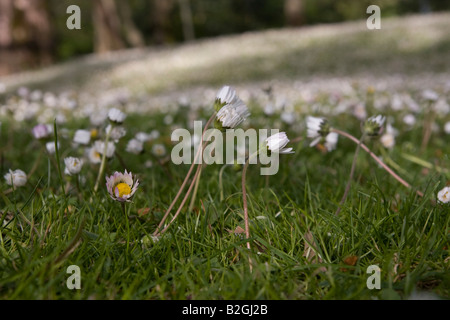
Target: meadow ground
column 300, row 247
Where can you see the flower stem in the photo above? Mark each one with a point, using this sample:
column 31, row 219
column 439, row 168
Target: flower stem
column 103, row 163
column 200, row 149
column 378, row 160
column 352, row 172
column 197, row 173
column 220, row 181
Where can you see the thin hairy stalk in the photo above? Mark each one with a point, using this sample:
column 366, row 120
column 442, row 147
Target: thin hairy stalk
column 350, row 179
column 221, row 181
column 197, row 173
column 197, row 182
column 103, row 163
column 185, row 179
column 378, row 160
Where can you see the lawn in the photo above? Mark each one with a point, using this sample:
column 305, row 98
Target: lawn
column 302, row 246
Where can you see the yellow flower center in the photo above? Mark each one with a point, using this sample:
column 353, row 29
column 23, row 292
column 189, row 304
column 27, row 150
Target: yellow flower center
column 124, row 189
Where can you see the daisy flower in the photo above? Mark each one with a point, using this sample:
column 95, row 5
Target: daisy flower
column 100, row 147
column 159, row 150
column 226, row 95
column 82, row 137
column 16, row 178
column 41, row 131
column 135, row 146
column 116, row 116
column 121, row 186
column 277, row 142
column 73, row 165
column 374, row 125
column 444, row 195
column 231, row 115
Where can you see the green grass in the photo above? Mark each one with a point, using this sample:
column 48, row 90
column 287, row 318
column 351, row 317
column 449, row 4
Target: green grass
column 382, row 223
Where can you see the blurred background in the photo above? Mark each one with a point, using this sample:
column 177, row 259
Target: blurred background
column 33, row 33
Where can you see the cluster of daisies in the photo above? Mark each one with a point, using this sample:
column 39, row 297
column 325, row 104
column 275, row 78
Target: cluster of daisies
column 230, row 112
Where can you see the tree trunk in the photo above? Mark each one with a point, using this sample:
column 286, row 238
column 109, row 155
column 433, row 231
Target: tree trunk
column 293, row 12
column 186, row 20
column 107, row 28
column 161, row 18
column 132, row 34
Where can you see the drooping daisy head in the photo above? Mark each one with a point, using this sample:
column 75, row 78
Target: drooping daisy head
column 121, row 186
column 16, row 178
column 231, row 115
column 317, row 127
column 444, row 195
column 277, row 142
column 226, row 95
column 374, row 125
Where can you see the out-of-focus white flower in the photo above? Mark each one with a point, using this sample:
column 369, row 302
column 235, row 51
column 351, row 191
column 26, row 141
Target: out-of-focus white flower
column 430, row 95
column 331, row 141
column 447, row 127
column 73, row 165
column 148, row 164
column 441, row 107
column 444, row 195
column 93, row 155
column 50, row 146
column 116, row 116
column 168, row 120
column 277, row 142
column 360, row 111
column 100, row 148
column 82, row 137
column 16, row 178
column 231, row 115
column 116, row 132
column 159, row 150
column 98, row 118
column 409, row 119
column 154, row 134
column 41, row 131
column 121, row 186
column 143, row 136
column 135, row 146
column 288, row 117
column 269, row 109
column 388, row 140
column 316, row 129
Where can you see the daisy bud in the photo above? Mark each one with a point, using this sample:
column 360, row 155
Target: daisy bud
column 444, row 195
column 374, row 125
column 73, row 165
column 16, row 178
column 277, row 142
column 116, row 116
